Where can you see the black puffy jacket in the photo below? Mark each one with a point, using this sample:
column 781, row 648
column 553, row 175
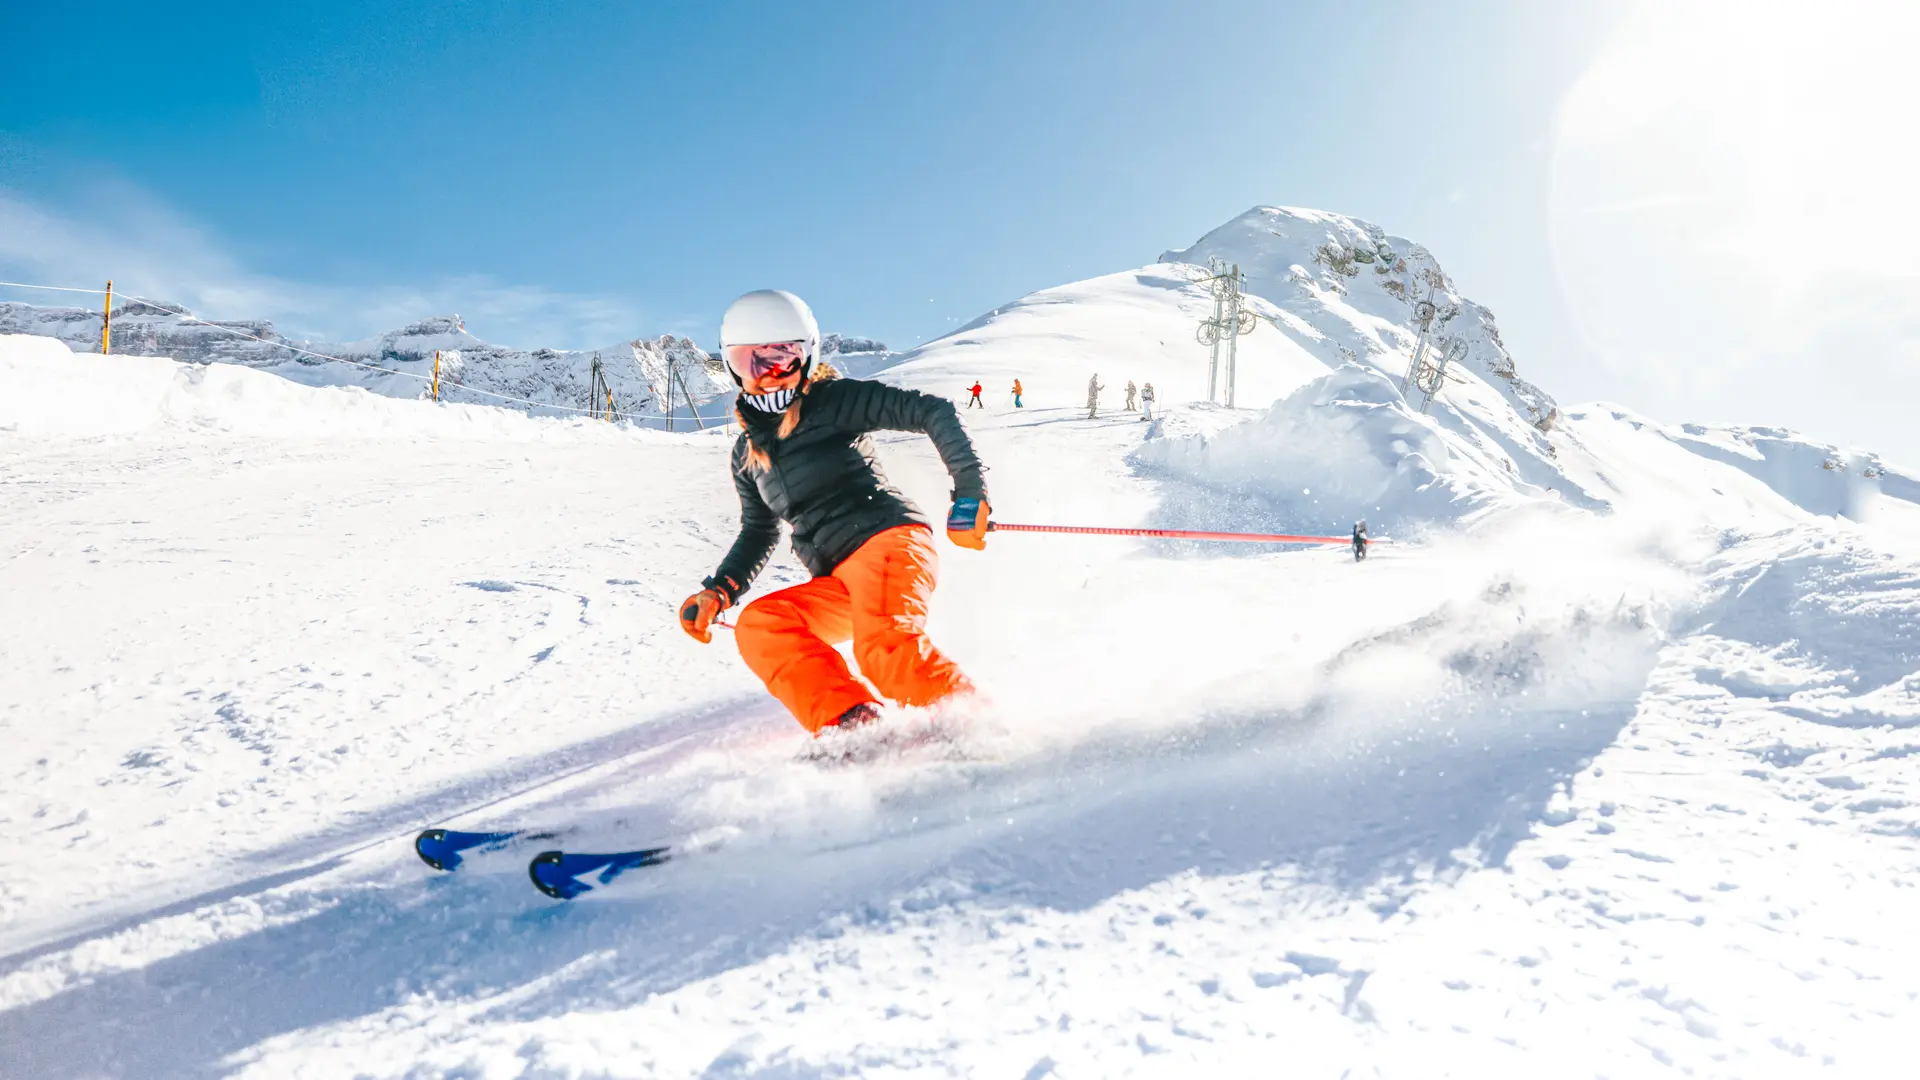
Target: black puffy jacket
column 824, row 480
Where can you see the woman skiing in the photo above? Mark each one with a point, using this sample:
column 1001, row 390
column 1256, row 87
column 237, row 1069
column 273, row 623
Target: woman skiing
column 805, row 456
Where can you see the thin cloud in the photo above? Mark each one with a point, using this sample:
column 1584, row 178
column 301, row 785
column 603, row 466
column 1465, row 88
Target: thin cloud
column 149, row 250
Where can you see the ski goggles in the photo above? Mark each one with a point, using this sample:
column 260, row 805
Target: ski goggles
column 774, row 360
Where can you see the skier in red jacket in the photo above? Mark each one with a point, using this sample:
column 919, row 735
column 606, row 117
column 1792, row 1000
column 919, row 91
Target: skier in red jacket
column 975, row 399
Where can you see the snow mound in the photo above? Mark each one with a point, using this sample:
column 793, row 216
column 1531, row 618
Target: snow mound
column 1343, row 448
column 47, row 389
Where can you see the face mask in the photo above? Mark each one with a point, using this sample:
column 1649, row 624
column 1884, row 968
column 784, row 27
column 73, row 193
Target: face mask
column 774, row 402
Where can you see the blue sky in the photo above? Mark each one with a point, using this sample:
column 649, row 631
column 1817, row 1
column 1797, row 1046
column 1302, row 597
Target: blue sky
column 574, row 174
column 904, row 166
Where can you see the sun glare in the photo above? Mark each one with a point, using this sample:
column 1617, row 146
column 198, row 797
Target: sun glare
column 1733, row 195
column 1798, row 117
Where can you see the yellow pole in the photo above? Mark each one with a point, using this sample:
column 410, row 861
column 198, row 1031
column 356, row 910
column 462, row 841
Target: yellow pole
column 106, row 325
column 436, row 374
column 609, row 405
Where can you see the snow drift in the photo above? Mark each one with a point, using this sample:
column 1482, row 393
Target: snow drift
column 1726, row 473
column 53, row 391
column 1343, row 448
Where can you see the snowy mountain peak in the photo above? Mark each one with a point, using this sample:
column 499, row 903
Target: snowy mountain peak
column 157, row 328
column 417, row 341
column 844, row 345
column 1338, row 325
column 1348, row 278
column 150, row 307
column 438, row 327
column 439, row 324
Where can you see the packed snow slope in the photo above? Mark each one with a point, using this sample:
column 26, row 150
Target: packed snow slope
column 1610, row 775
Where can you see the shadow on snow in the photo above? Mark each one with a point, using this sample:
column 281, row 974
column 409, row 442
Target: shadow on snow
column 1066, row 831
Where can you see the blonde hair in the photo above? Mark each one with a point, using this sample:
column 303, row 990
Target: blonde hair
column 757, row 459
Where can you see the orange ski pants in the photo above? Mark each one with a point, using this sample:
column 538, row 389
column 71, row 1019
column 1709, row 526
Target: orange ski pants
column 877, row 598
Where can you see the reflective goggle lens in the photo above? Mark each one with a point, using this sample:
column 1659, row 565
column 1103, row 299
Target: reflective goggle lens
column 770, row 361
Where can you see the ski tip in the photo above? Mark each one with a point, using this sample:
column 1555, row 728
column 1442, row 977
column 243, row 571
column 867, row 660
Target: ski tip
column 545, row 871
column 558, row 873
column 430, row 846
column 441, row 848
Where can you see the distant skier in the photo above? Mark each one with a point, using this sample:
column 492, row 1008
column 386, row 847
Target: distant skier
column 1094, row 386
column 1016, row 394
column 805, row 456
column 1146, row 402
column 975, row 399
column 1360, row 541
column 1132, row 392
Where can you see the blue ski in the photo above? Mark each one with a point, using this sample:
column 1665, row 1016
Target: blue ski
column 558, row 873
column 441, row 848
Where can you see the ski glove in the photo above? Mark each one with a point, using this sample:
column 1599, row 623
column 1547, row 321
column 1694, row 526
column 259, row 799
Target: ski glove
column 697, row 614
column 967, row 523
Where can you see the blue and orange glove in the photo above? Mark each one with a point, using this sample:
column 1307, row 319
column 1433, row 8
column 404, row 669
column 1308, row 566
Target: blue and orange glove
column 698, row 612
column 967, row 523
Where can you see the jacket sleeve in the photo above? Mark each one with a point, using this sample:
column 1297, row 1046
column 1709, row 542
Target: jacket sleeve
column 759, row 534
column 862, row 405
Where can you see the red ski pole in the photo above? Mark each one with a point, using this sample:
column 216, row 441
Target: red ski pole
column 1173, row 534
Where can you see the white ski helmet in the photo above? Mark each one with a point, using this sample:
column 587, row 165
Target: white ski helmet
column 766, row 316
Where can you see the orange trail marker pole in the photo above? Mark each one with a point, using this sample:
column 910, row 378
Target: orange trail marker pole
column 106, row 325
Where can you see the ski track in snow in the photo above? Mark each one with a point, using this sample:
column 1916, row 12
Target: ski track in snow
column 1554, row 794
